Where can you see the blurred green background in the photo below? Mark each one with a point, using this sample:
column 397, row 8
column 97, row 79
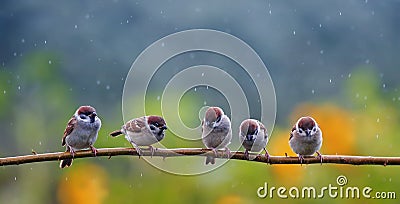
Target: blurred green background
column 334, row 60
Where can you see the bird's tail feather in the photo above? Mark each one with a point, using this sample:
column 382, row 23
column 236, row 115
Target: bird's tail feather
column 210, row 160
column 115, row 133
column 65, row 163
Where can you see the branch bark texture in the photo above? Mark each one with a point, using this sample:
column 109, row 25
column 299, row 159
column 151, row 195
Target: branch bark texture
column 110, row 152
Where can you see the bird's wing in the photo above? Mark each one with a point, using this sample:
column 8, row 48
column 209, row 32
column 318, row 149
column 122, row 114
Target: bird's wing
column 69, row 129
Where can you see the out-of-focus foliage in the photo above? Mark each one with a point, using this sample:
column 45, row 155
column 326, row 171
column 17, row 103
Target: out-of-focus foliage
column 87, row 183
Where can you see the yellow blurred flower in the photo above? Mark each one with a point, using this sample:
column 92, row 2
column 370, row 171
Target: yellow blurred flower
column 230, row 199
column 338, row 130
column 278, row 146
column 337, row 125
column 84, row 183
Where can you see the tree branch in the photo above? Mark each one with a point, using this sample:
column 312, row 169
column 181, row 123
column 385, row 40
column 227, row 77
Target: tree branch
column 109, row 152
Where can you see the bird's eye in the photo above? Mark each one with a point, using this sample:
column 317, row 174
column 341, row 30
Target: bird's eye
column 152, row 127
column 156, row 124
column 314, row 129
column 300, row 131
column 218, row 119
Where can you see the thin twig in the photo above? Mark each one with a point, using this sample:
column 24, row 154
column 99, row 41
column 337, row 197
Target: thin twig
column 110, row 152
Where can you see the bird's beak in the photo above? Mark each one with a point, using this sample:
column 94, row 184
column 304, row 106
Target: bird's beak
column 163, row 127
column 308, row 132
column 92, row 117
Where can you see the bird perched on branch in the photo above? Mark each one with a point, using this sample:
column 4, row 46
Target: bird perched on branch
column 306, row 138
column 143, row 131
column 216, row 132
column 81, row 132
column 253, row 136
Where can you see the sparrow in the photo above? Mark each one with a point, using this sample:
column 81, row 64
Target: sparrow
column 216, row 132
column 81, row 132
column 143, row 131
column 253, row 136
column 306, row 138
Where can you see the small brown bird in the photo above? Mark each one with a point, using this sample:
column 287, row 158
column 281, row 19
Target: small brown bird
column 143, row 131
column 253, row 136
column 216, row 132
column 306, row 138
column 81, row 132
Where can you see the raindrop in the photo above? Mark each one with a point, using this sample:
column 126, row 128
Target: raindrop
column 320, row 25
column 158, row 98
column 127, row 21
column 270, row 12
column 330, row 80
column 22, row 40
column 340, row 13
column 40, row 142
column 45, row 42
column 205, row 103
column 4, row 92
column 15, row 54
column 141, row 174
column 162, row 44
column 15, row 178
column 366, row 1
column 367, row 61
column 390, row 179
column 98, row 82
column 207, row 88
column 49, row 61
column 377, row 120
column 294, row 32
column 321, row 52
column 372, row 12
column 349, row 76
column 202, row 74
column 108, row 87
column 19, row 87
column 195, row 89
column 365, row 97
column 313, row 91
column 87, row 16
column 377, row 136
column 357, row 95
column 384, row 85
column 76, row 26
